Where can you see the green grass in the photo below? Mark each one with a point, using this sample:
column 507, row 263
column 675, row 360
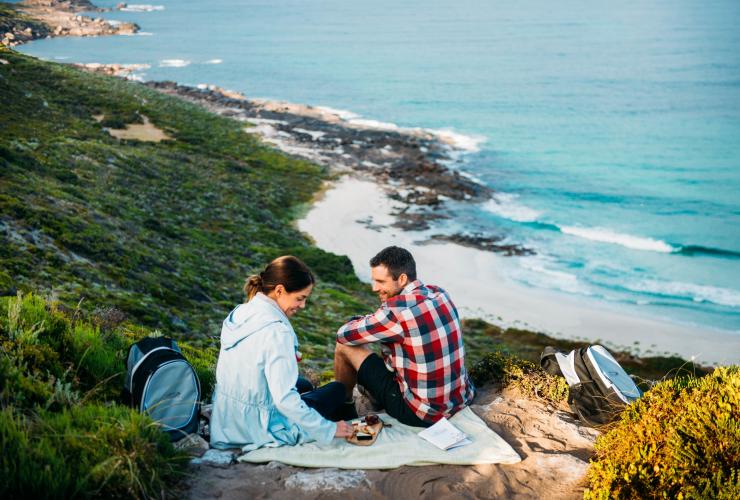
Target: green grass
column 165, row 232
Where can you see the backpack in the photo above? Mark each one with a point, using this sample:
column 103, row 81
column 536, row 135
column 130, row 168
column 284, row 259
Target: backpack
column 161, row 383
column 599, row 388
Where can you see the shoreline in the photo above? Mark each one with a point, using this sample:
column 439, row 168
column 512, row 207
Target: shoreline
column 413, row 167
column 396, row 209
column 475, row 282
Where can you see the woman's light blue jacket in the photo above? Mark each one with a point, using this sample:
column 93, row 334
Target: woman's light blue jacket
column 255, row 402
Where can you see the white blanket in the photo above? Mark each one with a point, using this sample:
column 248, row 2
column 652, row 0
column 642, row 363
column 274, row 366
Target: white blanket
column 396, row 446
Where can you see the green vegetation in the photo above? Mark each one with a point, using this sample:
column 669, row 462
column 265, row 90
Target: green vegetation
column 164, row 232
column 680, row 440
column 61, row 436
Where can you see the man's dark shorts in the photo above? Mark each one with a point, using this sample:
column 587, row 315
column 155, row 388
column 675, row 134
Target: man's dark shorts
column 381, row 384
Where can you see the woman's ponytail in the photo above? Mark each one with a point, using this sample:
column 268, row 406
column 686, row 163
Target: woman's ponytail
column 287, row 270
column 252, row 286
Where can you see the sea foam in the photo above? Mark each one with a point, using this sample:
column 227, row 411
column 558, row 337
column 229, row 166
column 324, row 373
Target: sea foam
column 455, row 140
column 626, row 240
column 687, row 291
column 464, row 142
column 505, row 205
column 141, row 8
column 536, row 271
column 173, row 63
column 340, row 113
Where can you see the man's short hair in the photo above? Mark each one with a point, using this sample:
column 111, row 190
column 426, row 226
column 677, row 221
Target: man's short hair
column 398, row 261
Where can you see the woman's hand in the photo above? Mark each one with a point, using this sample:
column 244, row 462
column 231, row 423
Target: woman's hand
column 343, row 429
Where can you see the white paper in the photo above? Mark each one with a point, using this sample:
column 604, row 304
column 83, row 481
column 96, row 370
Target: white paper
column 444, row 435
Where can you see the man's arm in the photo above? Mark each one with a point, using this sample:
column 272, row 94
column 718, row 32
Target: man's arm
column 380, row 326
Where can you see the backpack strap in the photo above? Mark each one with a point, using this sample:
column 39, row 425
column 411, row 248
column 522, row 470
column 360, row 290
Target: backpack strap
column 557, row 363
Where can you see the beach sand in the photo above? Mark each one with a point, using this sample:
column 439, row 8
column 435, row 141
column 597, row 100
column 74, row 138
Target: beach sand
column 354, row 218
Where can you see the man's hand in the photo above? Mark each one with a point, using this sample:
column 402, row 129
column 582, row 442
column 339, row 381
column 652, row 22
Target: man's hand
column 343, row 429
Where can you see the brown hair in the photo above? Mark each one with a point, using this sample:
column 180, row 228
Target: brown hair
column 287, row 270
column 398, row 261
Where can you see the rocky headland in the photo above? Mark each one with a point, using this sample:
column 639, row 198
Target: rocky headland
column 415, row 167
column 53, row 18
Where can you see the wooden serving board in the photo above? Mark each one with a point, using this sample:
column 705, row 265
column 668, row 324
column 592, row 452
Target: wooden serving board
column 371, row 429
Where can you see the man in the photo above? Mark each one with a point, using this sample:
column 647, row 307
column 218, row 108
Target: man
column 422, row 377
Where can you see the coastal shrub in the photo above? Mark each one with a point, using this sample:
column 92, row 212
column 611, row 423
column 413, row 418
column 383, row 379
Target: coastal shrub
column 84, row 451
column 527, row 377
column 20, row 386
column 61, row 432
column 680, row 440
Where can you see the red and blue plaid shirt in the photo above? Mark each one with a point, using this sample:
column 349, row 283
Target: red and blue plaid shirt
column 421, row 341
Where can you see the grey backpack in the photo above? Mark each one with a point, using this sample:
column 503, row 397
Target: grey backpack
column 163, row 384
column 599, row 387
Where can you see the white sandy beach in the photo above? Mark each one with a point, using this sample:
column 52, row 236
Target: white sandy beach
column 353, row 218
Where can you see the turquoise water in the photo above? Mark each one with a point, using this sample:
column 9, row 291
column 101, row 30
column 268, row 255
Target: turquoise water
column 611, row 131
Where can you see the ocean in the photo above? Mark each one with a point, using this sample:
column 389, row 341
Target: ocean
column 609, row 131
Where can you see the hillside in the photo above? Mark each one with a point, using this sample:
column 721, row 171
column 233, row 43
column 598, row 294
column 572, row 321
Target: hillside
column 166, row 232
column 125, row 212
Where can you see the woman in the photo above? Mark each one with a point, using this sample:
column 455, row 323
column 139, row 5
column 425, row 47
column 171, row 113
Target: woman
column 256, row 402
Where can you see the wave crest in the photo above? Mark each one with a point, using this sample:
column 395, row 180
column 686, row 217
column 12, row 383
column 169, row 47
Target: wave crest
column 687, row 291
column 141, row 8
column 505, row 205
column 173, row 63
column 626, row 240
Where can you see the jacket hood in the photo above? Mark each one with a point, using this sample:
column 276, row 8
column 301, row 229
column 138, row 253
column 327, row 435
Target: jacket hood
column 247, row 319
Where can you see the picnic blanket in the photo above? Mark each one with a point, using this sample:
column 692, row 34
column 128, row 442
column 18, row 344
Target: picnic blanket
column 396, row 446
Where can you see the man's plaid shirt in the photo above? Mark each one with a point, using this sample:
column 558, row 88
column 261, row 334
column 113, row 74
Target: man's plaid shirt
column 421, row 341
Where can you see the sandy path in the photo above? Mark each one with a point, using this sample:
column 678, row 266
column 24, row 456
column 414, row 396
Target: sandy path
column 554, row 451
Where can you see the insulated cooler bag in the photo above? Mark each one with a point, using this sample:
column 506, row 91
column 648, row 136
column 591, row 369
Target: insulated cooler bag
column 599, row 386
column 163, row 384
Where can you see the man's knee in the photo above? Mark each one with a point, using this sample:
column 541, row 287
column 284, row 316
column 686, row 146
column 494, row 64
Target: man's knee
column 354, row 355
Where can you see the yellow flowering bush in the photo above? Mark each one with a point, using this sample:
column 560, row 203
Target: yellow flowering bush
column 680, row 440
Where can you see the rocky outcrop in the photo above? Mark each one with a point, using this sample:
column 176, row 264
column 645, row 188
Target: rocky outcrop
column 410, row 164
column 119, row 70
column 497, row 244
column 63, row 5
column 51, row 18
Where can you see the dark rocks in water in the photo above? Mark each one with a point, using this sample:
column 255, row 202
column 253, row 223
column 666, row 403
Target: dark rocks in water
column 439, row 179
column 418, row 198
column 416, row 221
column 486, row 243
